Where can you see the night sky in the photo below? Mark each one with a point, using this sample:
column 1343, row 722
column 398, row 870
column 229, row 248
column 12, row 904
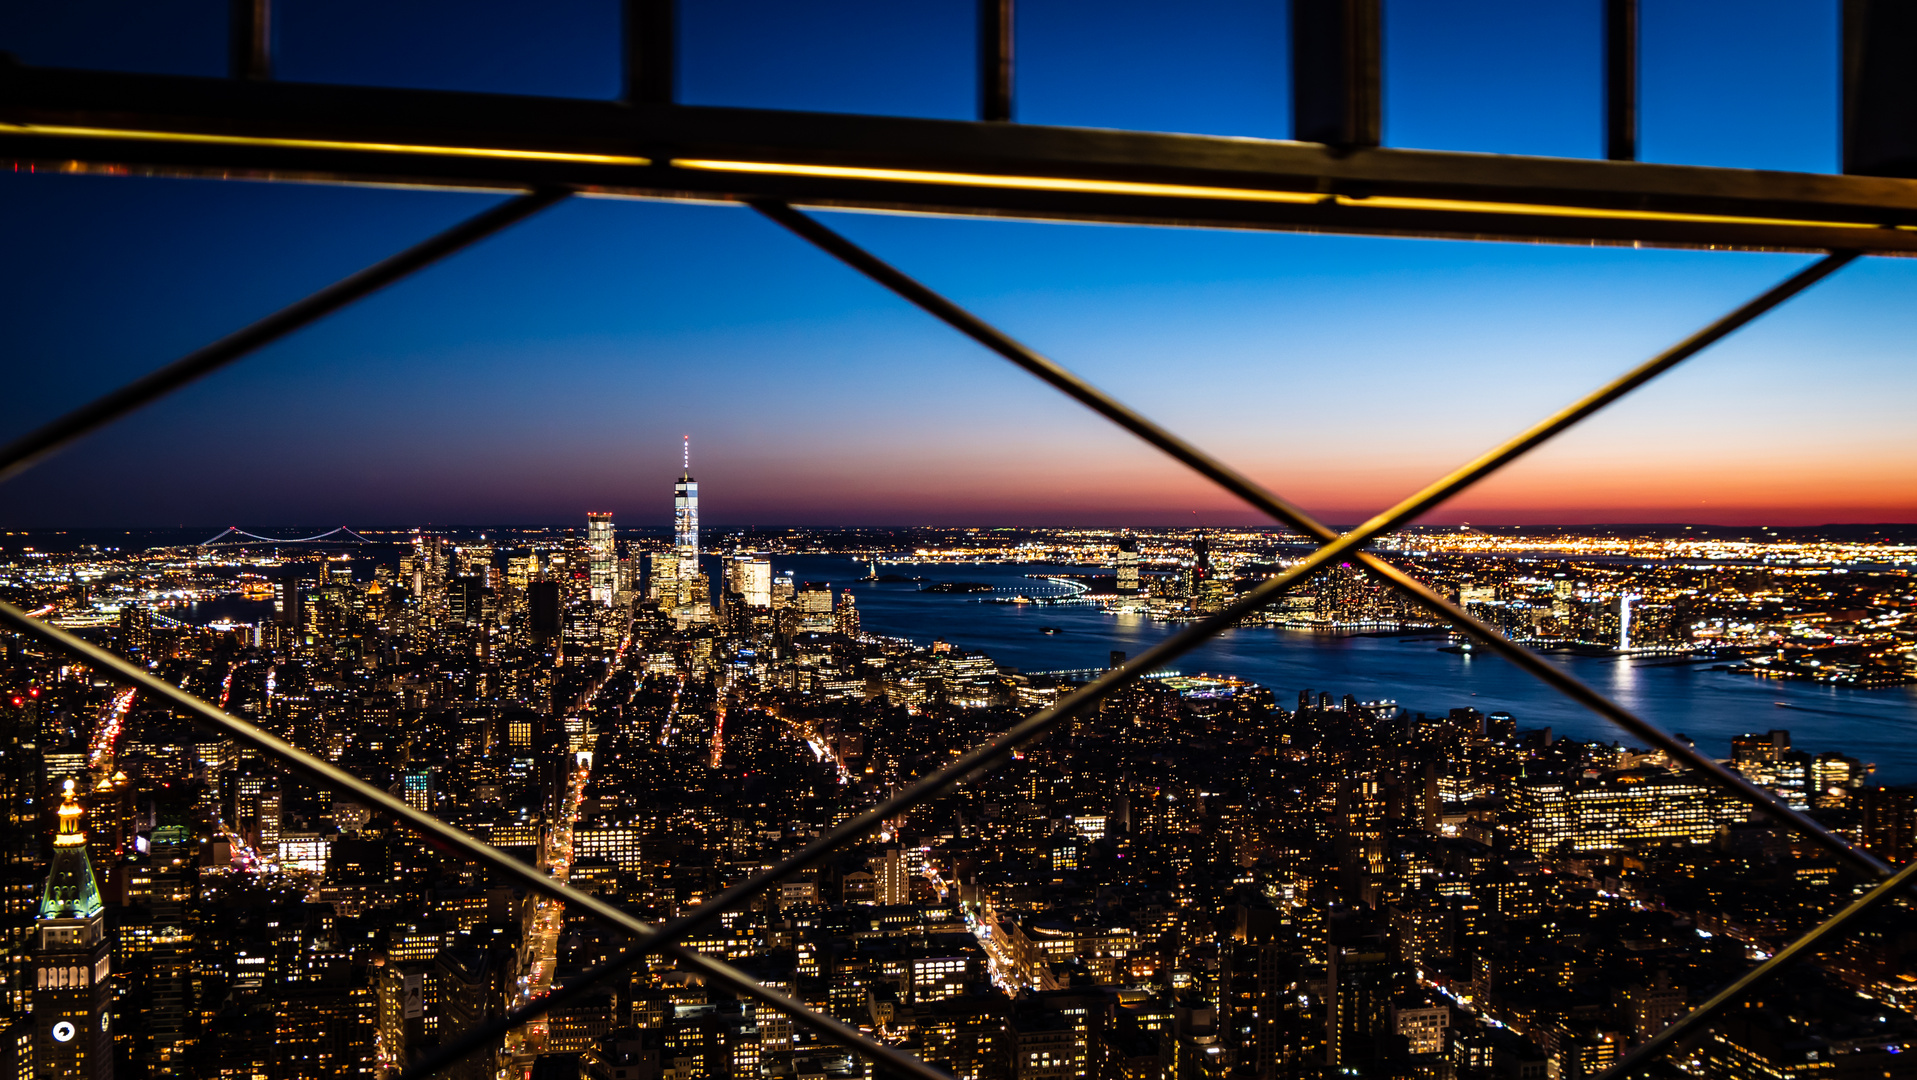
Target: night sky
column 554, row 368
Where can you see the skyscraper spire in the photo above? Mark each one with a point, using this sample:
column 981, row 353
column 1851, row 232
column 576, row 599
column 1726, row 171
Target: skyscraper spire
column 72, row 891
column 72, row 961
column 685, row 514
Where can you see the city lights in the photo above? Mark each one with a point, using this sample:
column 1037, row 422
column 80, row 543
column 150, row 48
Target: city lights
column 653, row 715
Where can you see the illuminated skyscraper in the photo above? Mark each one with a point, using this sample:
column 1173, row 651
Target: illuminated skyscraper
column 418, row 788
column 751, row 577
column 891, row 882
column 685, row 515
column 1127, row 565
column 847, row 621
column 72, row 1026
column 601, row 559
column 692, row 602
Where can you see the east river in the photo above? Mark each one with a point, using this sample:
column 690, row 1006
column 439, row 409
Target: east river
column 1878, row 726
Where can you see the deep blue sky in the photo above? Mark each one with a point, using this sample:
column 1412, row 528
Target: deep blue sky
column 555, row 367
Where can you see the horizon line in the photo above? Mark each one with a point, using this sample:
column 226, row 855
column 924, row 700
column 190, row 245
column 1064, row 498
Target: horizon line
column 1263, row 527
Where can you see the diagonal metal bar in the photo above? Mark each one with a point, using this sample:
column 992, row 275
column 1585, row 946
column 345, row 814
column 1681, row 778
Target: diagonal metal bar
column 337, row 779
column 1409, row 508
column 977, row 761
column 996, row 751
column 1336, row 546
column 831, row 242
column 27, row 450
column 1471, row 472
column 1577, row 690
column 1804, row 946
column 24, row 452
column 1230, row 479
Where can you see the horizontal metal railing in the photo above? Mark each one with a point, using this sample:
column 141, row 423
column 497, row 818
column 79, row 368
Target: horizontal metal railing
column 669, row 937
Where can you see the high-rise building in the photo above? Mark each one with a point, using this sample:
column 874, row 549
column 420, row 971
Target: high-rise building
column 521, row 570
column 290, row 610
column 269, row 823
column 417, row 786
column 21, row 837
column 466, row 600
column 1127, row 565
column 814, row 601
column 662, row 578
column 692, row 602
column 891, row 881
column 846, row 622
column 685, row 514
column 72, row 995
column 751, row 577
column 136, row 630
column 1357, row 996
column 602, row 559
column 1607, row 815
column 542, row 609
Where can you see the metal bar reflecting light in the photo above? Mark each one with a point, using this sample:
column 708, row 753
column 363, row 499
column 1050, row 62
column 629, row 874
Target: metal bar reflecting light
column 1350, row 544
column 668, row 937
column 335, row 778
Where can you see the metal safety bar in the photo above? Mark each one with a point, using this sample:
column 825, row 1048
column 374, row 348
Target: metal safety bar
column 1802, row 947
column 996, row 751
column 976, row 762
column 28, row 450
column 1408, row 509
column 1336, row 546
column 648, row 939
column 335, row 778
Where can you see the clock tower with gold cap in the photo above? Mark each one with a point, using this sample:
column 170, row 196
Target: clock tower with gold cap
column 72, row 1021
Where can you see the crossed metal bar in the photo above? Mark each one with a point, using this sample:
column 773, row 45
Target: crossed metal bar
column 668, row 937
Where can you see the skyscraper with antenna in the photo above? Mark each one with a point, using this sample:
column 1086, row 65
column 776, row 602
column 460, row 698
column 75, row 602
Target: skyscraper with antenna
column 685, row 514
column 676, row 581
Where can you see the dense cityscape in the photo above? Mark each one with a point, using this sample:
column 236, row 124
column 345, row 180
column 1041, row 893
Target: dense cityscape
column 1206, row 879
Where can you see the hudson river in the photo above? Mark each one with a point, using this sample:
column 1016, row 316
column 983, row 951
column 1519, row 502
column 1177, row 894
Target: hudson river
column 1878, row 726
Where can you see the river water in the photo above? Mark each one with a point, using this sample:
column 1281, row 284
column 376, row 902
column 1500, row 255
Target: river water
column 1878, row 725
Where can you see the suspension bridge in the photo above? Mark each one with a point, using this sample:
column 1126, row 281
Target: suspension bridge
column 234, row 536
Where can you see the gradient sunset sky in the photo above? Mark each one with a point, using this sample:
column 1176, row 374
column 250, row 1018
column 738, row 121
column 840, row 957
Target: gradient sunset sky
column 555, row 368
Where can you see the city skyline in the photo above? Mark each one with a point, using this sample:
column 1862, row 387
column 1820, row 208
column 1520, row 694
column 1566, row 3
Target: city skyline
column 1599, row 766
column 1342, row 372
column 1197, row 880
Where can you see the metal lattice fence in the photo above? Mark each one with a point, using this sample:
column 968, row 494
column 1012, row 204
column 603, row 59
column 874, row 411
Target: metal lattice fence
column 1116, row 199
